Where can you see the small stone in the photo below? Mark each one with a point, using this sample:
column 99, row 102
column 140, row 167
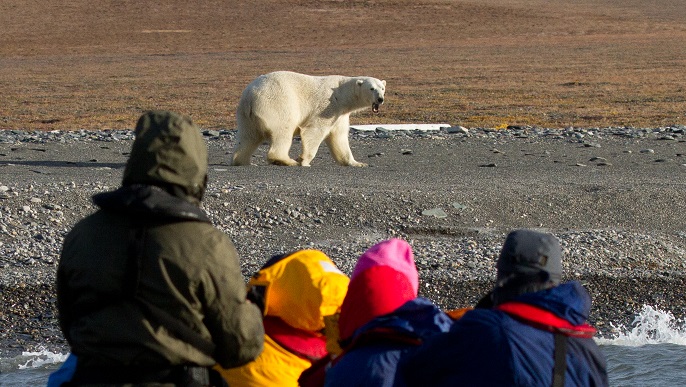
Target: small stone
column 459, row 206
column 435, row 212
column 457, row 129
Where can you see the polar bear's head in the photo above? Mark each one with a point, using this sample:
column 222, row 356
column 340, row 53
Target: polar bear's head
column 372, row 90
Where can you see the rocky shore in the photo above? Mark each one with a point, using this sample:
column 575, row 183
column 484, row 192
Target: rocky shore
column 615, row 197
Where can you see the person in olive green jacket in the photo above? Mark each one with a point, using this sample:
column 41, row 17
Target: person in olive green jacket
column 146, row 286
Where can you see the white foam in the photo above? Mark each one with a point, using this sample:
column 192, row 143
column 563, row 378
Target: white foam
column 650, row 326
column 39, row 359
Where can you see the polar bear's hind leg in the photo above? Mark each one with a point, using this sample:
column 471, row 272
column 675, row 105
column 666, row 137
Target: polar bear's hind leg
column 279, row 148
column 245, row 146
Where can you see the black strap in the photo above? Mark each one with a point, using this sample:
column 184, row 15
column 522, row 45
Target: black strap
column 186, row 376
column 174, row 325
column 560, row 360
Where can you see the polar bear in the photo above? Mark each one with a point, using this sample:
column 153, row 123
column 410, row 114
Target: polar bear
column 283, row 104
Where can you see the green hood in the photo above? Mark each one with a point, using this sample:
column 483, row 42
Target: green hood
column 168, row 152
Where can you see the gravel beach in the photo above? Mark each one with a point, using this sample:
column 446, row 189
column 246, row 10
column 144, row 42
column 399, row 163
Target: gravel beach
column 615, row 197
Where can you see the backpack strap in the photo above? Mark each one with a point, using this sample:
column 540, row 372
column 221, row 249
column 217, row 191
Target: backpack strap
column 560, row 360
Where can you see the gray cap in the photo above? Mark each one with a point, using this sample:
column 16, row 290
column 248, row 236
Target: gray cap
column 529, row 252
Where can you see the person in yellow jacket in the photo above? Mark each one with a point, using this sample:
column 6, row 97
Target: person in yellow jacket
column 297, row 292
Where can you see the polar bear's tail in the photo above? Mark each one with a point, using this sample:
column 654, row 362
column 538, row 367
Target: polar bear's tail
column 249, row 133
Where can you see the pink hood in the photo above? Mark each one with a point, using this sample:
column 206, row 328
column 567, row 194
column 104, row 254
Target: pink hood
column 384, row 278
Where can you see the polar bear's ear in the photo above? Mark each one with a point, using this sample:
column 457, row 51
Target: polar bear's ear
column 360, row 82
column 383, row 82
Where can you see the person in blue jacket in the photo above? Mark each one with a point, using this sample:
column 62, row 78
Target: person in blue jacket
column 530, row 330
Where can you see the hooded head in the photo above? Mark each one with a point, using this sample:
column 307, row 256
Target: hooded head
column 384, row 278
column 168, row 152
column 529, row 261
column 300, row 288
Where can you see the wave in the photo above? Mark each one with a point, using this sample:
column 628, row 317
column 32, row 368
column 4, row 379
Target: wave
column 650, row 326
column 27, row 360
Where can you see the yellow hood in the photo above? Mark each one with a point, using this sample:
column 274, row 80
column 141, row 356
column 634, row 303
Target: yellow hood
column 301, row 288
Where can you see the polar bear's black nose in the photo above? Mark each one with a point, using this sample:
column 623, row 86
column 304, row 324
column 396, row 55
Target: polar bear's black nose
column 380, row 99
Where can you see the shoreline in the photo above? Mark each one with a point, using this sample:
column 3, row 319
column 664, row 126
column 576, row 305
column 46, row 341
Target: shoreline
column 618, row 216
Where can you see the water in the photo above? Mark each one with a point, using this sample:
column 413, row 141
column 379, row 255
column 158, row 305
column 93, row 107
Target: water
column 651, row 352
column 29, row 369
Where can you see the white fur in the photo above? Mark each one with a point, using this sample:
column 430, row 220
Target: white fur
column 282, row 104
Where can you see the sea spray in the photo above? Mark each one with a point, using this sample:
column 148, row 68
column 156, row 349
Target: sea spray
column 650, row 326
column 40, row 359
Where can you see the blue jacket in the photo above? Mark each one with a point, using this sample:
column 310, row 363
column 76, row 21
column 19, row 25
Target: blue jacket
column 64, row 373
column 378, row 346
column 488, row 347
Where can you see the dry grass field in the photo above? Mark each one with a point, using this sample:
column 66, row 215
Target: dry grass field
column 79, row 64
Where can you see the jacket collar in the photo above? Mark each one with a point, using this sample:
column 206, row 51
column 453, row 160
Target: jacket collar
column 414, row 321
column 305, row 344
column 569, row 301
column 545, row 320
column 149, row 200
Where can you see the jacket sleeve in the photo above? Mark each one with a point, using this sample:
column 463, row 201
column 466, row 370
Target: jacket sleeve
column 64, row 296
column 234, row 322
column 63, row 305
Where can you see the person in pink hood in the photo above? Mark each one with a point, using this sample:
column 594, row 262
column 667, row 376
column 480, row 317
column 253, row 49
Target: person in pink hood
column 382, row 319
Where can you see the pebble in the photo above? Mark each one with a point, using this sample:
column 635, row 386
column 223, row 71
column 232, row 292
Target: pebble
column 435, row 212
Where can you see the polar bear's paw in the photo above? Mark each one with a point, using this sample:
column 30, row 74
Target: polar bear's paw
column 284, row 162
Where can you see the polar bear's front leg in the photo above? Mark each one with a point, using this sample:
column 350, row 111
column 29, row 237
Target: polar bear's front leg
column 339, row 146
